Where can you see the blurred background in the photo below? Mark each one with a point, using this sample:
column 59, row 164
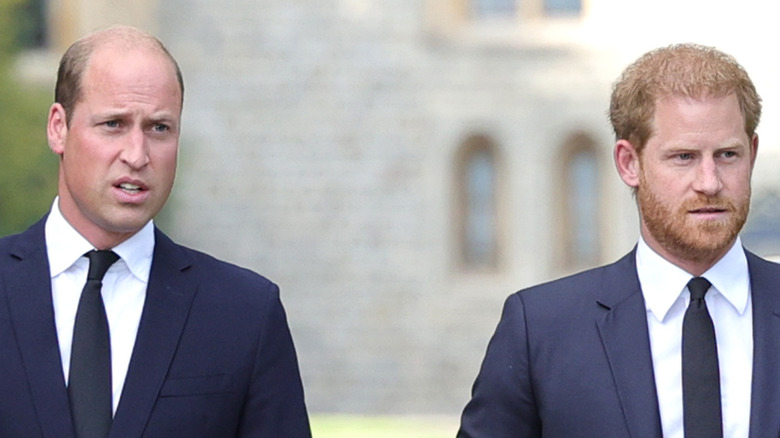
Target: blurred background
column 398, row 166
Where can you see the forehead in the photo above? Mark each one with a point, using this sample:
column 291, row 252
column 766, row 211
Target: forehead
column 701, row 114
column 681, row 122
column 113, row 69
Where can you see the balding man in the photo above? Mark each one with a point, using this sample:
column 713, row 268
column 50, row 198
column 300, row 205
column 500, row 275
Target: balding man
column 106, row 325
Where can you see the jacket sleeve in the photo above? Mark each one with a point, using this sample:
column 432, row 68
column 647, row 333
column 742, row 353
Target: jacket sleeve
column 275, row 404
column 503, row 403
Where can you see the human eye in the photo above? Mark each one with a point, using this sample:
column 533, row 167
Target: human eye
column 684, row 156
column 111, row 124
column 681, row 158
column 728, row 155
column 161, row 127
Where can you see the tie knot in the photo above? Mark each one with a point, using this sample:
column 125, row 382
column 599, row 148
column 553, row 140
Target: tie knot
column 99, row 262
column 698, row 287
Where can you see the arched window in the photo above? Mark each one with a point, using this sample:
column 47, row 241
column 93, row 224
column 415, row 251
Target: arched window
column 477, row 212
column 581, row 203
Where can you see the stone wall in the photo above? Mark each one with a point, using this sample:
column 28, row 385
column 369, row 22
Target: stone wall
column 318, row 149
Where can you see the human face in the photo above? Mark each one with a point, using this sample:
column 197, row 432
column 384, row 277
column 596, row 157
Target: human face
column 693, row 179
column 118, row 151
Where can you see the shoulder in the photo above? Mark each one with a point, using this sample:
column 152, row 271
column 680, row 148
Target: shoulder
column 577, row 296
column 764, row 276
column 758, row 262
column 226, row 272
column 8, row 242
column 213, row 275
column 591, row 282
column 24, row 244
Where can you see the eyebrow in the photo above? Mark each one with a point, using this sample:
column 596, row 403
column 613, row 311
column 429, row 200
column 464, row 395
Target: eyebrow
column 111, row 114
column 166, row 117
column 158, row 116
column 733, row 143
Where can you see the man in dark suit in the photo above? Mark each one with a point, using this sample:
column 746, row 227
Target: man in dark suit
column 187, row 345
column 617, row 351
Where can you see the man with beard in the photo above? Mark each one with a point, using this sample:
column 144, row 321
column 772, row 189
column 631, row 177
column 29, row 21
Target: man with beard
column 617, row 351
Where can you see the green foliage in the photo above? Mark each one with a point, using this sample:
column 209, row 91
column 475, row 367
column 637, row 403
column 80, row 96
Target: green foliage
column 7, row 29
column 28, row 169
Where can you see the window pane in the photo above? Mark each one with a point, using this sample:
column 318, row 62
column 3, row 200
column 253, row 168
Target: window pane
column 562, row 7
column 583, row 206
column 480, row 225
column 493, row 8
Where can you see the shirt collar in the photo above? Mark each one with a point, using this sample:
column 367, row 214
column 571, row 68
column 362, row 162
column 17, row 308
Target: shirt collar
column 663, row 282
column 64, row 246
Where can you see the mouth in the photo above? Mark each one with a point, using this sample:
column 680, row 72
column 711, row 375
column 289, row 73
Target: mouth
column 131, row 188
column 710, row 212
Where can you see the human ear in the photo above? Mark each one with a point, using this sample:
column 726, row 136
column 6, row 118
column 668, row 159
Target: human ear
column 753, row 150
column 627, row 162
column 57, row 128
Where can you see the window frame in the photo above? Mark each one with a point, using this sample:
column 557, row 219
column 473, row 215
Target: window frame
column 470, row 148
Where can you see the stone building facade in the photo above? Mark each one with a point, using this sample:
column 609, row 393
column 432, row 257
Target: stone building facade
column 398, row 167
column 323, row 148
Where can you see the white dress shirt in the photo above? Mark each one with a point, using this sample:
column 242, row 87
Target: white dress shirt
column 124, row 289
column 729, row 303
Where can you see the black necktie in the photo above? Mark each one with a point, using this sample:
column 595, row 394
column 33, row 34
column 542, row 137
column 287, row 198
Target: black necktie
column 89, row 384
column 700, row 376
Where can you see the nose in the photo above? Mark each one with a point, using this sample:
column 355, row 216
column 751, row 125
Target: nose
column 135, row 152
column 708, row 180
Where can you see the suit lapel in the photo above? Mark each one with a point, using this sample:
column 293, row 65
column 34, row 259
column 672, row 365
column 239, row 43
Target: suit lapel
column 169, row 296
column 765, row 394
column 624, row 335
column 28, row 291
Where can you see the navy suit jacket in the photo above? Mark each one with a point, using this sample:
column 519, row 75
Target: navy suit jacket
column 571, row 358
column 213, row 355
